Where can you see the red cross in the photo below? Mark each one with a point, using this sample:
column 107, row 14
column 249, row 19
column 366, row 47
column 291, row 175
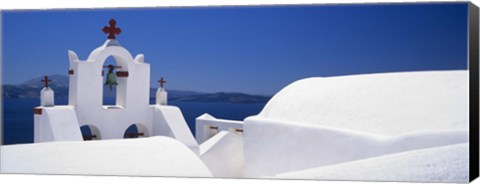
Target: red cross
column 46, row 80
column 161, row 81
column 112, row 30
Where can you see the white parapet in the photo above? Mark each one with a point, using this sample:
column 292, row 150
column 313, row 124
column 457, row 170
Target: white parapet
column 206, row 126
column 59, row 123
column 47, row 97
column 223, row 154
column 275, row 146
column 168, row 121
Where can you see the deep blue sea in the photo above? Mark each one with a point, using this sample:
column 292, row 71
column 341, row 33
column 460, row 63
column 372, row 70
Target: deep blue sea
column 18, row 115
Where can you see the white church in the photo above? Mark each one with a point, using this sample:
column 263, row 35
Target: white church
column 407, row 126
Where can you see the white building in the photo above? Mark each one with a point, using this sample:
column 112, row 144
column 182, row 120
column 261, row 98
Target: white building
column 410, row 126
column 85, row 102
column 320, row 122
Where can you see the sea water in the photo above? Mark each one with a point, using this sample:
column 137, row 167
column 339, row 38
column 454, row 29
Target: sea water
column 17, row 116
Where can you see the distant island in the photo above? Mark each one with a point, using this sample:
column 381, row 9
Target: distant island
column 31, row 89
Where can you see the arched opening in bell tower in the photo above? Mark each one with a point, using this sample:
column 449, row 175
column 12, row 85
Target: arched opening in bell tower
column 90, row 132
column 135, row 131
column 109, row 83
column 114, row 80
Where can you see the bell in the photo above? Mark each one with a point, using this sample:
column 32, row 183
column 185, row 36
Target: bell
column 111, row 80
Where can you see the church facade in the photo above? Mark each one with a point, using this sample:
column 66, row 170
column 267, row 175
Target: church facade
column 85, row 107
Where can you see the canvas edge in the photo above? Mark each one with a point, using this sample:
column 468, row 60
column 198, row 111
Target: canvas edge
column 473, row 65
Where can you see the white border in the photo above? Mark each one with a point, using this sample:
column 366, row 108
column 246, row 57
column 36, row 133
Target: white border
column 56, row 4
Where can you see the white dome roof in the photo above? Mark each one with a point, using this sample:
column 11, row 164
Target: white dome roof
column 387, row 104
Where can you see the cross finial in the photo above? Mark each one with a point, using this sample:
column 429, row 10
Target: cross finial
column 161, row 81
column 112, row 30
column 46, row 80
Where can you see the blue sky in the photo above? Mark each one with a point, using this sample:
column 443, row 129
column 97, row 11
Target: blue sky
column 256, row 50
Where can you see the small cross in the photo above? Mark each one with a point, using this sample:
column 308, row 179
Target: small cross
column 46, row 80
column 161, row 81
column 112, row 30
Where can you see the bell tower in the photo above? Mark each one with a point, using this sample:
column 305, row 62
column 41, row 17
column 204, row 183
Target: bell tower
column 130, row 76
column 131, row 116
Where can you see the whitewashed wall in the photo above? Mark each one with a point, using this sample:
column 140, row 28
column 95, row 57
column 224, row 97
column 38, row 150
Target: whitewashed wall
column 322, row 121
column 223, row 155
column 86, row 91
column 206, row 126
